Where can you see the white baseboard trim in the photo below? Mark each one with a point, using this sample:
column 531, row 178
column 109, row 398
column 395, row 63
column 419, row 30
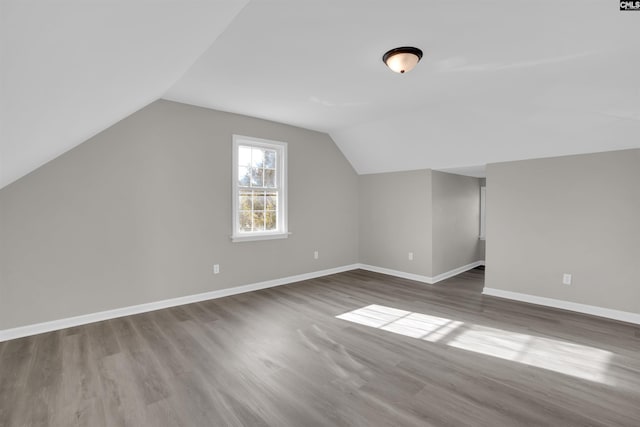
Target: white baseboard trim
column 457, row 271
column 39, row 328
column 420, row 278
column 623, row 316
column 396, row 273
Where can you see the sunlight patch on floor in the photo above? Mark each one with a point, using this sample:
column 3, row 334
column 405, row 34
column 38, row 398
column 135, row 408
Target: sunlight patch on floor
column 568, row 358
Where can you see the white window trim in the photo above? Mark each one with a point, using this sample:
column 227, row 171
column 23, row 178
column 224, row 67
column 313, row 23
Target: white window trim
column 483, row 212
column 281, row 176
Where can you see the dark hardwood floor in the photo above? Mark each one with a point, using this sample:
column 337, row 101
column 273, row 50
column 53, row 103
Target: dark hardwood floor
column 352, row 349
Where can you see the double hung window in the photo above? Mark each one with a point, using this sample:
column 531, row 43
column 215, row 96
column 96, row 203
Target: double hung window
column 259, row 189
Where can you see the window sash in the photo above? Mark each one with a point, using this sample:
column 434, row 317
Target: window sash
column 279, row 189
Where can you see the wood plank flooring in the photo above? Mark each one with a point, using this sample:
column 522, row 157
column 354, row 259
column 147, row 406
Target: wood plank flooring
column 399, row 354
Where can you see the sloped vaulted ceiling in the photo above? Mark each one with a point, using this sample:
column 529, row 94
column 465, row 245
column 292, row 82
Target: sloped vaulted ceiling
column 500, row 80
column 71, row 68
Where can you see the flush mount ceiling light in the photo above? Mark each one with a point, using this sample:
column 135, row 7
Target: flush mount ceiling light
column 402, row 59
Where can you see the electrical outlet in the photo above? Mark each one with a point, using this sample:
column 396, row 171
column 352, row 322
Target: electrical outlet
column 316, row 255
column 410, row 256
column 566, row 279
column 216, row 268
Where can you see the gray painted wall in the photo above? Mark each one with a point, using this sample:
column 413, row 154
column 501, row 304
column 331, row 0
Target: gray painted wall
column 575, row 214
column 456, row 221
column 433, row 214
column 142, row 211
column 395, row 219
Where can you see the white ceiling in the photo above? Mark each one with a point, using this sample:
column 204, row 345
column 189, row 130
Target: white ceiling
column 72, row 68
column 500, row 80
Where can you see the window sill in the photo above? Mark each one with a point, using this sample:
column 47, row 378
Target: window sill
column 257, row 237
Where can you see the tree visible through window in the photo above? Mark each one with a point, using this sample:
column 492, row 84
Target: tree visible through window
column 259, row 193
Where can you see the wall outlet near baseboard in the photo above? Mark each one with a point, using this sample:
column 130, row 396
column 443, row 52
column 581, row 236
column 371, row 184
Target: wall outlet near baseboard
column 216, row 268
column 316, row 255
column 410, row 256
column 566, row 279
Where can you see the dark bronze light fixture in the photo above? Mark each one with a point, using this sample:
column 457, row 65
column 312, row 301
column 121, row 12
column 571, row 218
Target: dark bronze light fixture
column 402, row 59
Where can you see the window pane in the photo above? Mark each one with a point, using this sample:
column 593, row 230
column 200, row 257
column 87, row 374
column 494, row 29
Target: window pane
column 244, row 220
column 245, row 201
column 270, row 159
column 257, row 157
column 256, row 177
column 270, row 178
column 271, row 222
column 258, row 200
column 244, row 156
column 258, row 221
column 272, row 202
column 243, row 177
